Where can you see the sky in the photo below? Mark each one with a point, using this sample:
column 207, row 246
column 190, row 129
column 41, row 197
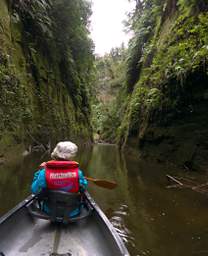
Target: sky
column 106, row 24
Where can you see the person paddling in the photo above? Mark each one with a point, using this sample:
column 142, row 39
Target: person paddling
column 61, row 173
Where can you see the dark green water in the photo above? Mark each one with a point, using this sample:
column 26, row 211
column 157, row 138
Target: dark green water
column 152, row 219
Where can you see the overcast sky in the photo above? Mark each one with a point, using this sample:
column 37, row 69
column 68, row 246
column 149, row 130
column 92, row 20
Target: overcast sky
column 106, row 25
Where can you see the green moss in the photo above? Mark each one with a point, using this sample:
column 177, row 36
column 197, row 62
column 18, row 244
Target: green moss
column 182, row 49
column 36, row 102
column 177, row 48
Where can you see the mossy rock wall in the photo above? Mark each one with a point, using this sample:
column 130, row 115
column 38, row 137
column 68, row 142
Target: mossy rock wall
column 167, row 114
column 36, row 104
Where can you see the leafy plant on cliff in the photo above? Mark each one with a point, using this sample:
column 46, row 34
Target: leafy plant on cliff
column 71, row 33
column 176, row 47
column 142, row 22
column 48, row 69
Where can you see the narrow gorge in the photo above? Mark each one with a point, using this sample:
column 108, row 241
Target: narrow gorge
column 161, row 107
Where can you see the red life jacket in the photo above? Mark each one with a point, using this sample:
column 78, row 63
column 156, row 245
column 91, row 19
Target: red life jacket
column 62, row 175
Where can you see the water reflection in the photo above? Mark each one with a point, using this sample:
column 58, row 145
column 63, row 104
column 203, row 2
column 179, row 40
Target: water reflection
column 151, row 219
column 119, row 224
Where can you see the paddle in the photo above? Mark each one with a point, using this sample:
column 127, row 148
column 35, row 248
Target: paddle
column 102, row 183
column 99, row 182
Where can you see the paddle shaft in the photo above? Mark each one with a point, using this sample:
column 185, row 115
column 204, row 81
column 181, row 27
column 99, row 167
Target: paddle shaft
column 102, row 183
column 99, row 182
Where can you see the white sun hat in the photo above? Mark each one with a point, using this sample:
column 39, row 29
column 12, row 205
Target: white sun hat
column 64, row 150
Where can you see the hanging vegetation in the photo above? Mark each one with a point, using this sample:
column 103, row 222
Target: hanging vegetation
column 46, row 63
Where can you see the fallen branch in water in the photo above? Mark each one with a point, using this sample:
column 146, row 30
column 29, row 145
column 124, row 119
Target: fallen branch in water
column 187, row 183
column 174, row 179
column 39, row 145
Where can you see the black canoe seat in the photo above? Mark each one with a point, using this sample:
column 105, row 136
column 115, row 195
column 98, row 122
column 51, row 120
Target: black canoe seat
column 61, row 204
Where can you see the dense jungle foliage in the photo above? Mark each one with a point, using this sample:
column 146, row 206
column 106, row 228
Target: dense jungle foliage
column 46, row 63
column 109, row 79
column 165, row 101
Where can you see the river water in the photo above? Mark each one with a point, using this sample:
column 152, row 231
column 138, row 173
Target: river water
column 151, row 219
